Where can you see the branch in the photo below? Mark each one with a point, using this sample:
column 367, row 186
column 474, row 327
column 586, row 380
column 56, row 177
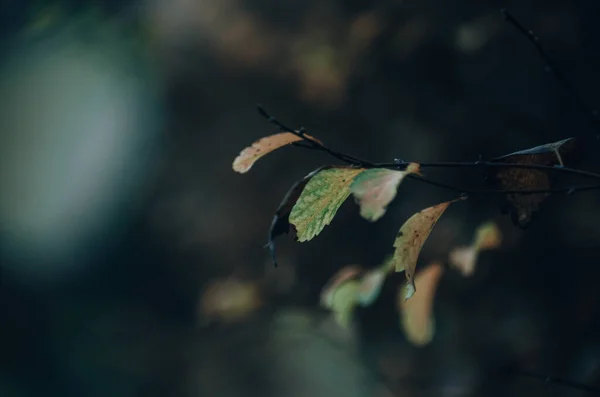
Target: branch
column 553, row 380
column 591, row 114
column 492, row 164
column 312, row 144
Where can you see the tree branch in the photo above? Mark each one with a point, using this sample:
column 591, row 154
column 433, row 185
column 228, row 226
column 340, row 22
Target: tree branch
column 399, row 165
column 553, row 380
column 591, row 114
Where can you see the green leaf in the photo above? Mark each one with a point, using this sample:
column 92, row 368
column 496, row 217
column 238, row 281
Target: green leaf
column 280, row 223
column 321, row 198
column 352, row 286
column 375, row 188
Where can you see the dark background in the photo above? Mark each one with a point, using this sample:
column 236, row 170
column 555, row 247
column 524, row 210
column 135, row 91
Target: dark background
column 113, row 311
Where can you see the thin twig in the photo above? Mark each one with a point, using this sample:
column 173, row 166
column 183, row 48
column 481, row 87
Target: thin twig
column 590, row 113
column 554, row 380
column 474, row 191
column 312, row 144
column 400, row 165
column 491, row 164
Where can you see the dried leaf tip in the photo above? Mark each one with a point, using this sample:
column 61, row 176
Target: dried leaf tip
column 247, row 157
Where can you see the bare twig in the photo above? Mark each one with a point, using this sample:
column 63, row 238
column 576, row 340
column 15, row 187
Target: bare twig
column 591, row 114
column 313, row 144
column 310, row 143
column 553, row 380
column 492, row 164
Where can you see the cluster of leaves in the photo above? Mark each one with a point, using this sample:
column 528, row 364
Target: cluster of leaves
column 312, row 203
column 353, row 286
column 522, row 181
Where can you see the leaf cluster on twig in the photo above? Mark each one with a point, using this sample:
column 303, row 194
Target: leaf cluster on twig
column 522, row 180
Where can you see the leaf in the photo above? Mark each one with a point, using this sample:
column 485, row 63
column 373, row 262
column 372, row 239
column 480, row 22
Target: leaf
column 416, row 314
column 318, row 203
column 523, row 206
column 487, row 237
column 280, row 223
column 345, row 274
column 375, row 188
column 344, row 302
column 410, row 240
column 547, row 154
column 370, row 286
column 230, row 299
column 247, row 157
column 352, row 286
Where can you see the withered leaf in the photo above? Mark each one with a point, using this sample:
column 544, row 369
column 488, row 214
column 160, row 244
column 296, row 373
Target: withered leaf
column 416, row 314
column 547, row 154
column 280, row 223
column 523, row 206
column 247, row 157
column 375, row 188
column 410, row 240
column 320, row 199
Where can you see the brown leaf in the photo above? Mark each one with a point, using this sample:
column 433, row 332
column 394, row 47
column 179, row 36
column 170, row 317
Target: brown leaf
column 410, row 240
column 522, row 206
column 375, row 188
column 247, row 157
column 280, row 223
column 416, row 314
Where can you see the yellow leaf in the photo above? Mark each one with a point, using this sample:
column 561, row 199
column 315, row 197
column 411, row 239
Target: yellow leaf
column 410, row 240
column 319, row 201
column 375, row 188
column 464, row 259
column 230, row 299
column 487, row 237
column 416, row 314
column 247, row 157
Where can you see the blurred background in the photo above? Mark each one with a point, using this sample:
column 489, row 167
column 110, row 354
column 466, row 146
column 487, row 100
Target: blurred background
column 119, row 208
